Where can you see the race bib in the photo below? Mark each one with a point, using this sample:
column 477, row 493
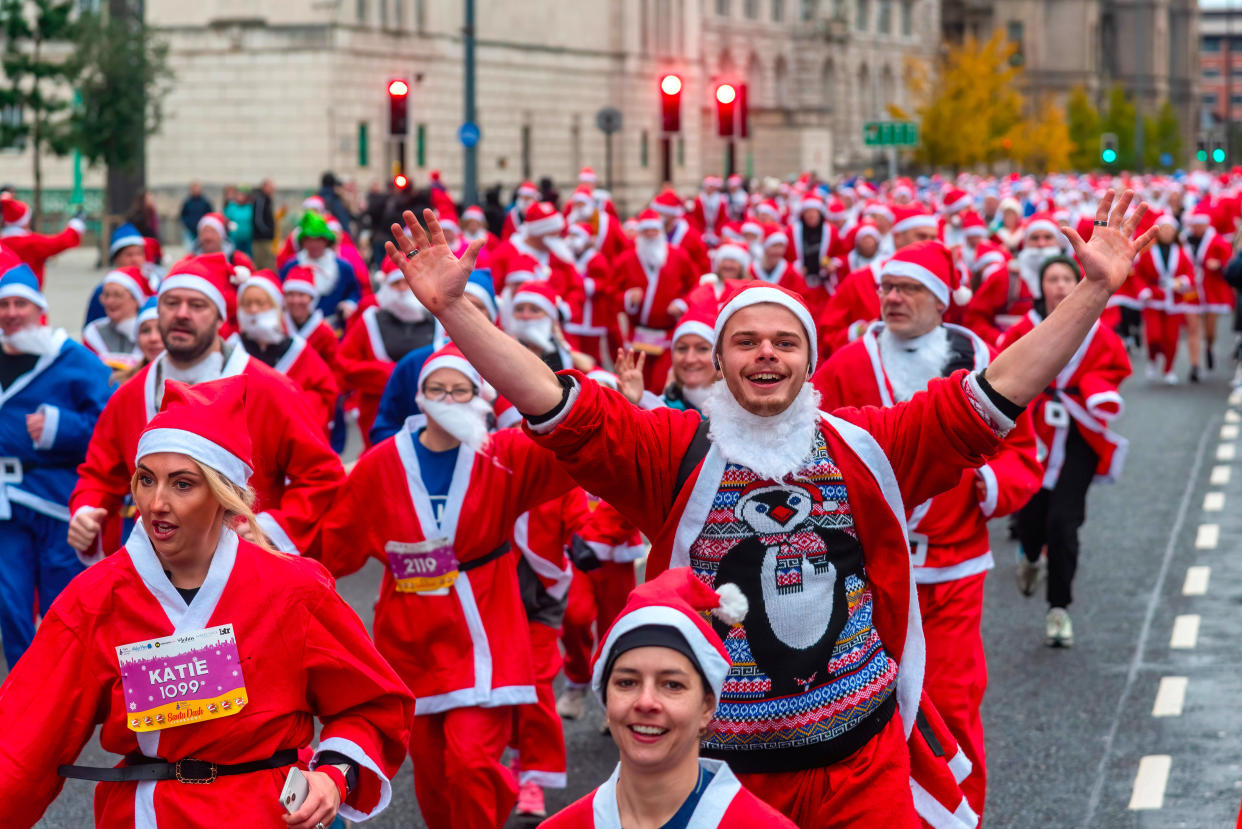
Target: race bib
column 649, row 340
column 182, row 679
column 426, row 567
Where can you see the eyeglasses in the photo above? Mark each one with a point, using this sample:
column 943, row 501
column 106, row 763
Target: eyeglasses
column 461, row 394
column 905, row 289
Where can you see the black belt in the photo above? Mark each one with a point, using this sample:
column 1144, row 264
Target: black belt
column 189, row 770
column 485, row 559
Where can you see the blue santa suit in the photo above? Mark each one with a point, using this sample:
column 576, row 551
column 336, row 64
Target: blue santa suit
column 69, row 387
column 397, row 403
column 345, row 290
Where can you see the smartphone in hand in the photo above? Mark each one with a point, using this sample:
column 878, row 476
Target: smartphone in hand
column 295, row 791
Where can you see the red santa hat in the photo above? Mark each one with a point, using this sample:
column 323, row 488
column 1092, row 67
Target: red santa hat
column 14, row 211
column 267, row 282
column 300, row 280
column 131, row 279
column 762, row 292
column 928, row 263
column 205, row 422
column 522, row 268
column 544, row 297
column 867, row 227
column 879, row 208
column 775, row 237
column 217, row 222
column 768, row 210
column 1201, row 215
column 837, row 211
column 581, row 229
column 956, row 200
column 753, row 228
column 528, row 189
column 450, row 356
column 542, row 219
column 583, row 195
column 587, row 175
column 989, row 255
column 649, row 219
column 734, row 252
column 668, row 611
column 973, row 224
column 194, row 275
column 813, row 202
column 313, row 203
column 1164, row 219
column 473, row 212
column 910, row 216
column 699, row 321
column 713, row 181
column 668, row 203
column 1041, row 221
column 735, row 180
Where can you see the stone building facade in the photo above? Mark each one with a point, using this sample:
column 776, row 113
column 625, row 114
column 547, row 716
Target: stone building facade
column 290, row 88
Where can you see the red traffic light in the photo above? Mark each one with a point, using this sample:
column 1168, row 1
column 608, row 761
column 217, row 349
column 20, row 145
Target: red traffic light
column 400, row 182
column 398, row 88
column 725, row 93
column 670, row 84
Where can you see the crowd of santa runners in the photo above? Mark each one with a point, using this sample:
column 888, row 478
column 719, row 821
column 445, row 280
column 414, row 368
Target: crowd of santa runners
column 720, row 467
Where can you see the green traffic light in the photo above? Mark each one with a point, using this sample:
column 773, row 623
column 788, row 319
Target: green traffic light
column 1218, row 155
column 1108, row 155
column 1201, row 155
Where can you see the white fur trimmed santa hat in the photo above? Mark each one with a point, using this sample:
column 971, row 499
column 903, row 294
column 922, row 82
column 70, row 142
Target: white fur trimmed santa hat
column 668, row 611
column 928, row 263
column 205, row 422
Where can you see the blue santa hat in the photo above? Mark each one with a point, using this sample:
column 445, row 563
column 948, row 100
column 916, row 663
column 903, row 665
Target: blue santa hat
column 479, row 285
column 20, row 280
column 150, row 310
column 125, row 236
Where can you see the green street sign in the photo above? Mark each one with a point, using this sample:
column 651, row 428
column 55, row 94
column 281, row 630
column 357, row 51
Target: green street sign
column 890, row 134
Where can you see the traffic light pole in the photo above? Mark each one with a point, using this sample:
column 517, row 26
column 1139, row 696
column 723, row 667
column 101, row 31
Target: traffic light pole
column 470, row 155
column 666, row 159
column 730, row 157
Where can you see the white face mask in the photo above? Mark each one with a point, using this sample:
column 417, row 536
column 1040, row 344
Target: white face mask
column 401, row 304
column 265, row 327
column 1030, row 260
column 536, row 332
column 465, row 421
column 36, row 339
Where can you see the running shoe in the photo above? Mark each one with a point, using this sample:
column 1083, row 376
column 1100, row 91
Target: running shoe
column 1058, row 630
column 530, row 801
column 1030, row 573
column 572, row 704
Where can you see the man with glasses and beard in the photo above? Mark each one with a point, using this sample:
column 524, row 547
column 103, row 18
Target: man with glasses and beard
column 295, row 472
column 449, row 602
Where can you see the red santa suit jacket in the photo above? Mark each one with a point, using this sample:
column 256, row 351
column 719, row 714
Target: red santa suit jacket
column 36, row 248
column 904, row 454
column 320, row 389
column 937, row 767
column 319, row 336
column 1169, row 283
column 515, row 255
column 949, row 532
column 1085, row 394
column 724, row 804
column 468, row 645
column 1215, row 295
column 596, row 314
column 610, row 535
column 1002, row 299
column 541, row 535
column 709, row 216
column 610, row 240
column 671, row 284
column 295, row 472
column 365, row 367
column 691, row 242
column 304, row 654
column 855, row 304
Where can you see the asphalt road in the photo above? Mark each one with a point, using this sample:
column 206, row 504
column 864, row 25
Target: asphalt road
column 1072, row 735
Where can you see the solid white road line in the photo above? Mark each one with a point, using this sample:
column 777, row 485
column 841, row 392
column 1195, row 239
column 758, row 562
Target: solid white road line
column 1149, row 614
column 1149, row 783
column 1213, row 502
column 1170, row 697
column 1207, row 537
column 1225, row 452
column 1229, row 431
column 1196, row 581
column 1220, row 475
column 1185, row 632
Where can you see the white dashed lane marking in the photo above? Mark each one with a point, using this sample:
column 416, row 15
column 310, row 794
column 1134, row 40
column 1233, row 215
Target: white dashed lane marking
column 1229, row 431
column 1196, row 581
column 1185, row 632
column 1225, row 452
column 1170, row 697
column 1207, row 537
column 1214, row 502
column 1220, row 475
column 1231, row 416
column 1149, row 783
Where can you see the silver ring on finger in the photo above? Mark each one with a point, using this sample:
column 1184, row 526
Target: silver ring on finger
column 1098, row 223
column 412, row 254
column 320, row 825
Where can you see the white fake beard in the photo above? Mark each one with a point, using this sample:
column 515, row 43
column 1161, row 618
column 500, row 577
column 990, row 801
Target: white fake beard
column 537, row 333
column 469, row 236
column 652, row 253
column 401, row 304
column 578, row 245
column 465, row 421
column 1029, row 262
column 912, row 364
column 325, row 269
column 756, row 251
column 265, row 327
column 127, row 328
column 36, row 339
column 559, row 248
column 582, row 213
column 772, row 447
column 697, row 396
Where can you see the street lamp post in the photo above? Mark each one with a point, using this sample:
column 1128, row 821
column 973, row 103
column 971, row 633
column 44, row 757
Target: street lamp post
column 470, row 156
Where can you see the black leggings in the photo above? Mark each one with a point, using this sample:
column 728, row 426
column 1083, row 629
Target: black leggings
column 1053, row 517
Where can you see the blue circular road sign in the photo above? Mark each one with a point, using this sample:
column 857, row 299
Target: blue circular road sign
column 468, row 134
